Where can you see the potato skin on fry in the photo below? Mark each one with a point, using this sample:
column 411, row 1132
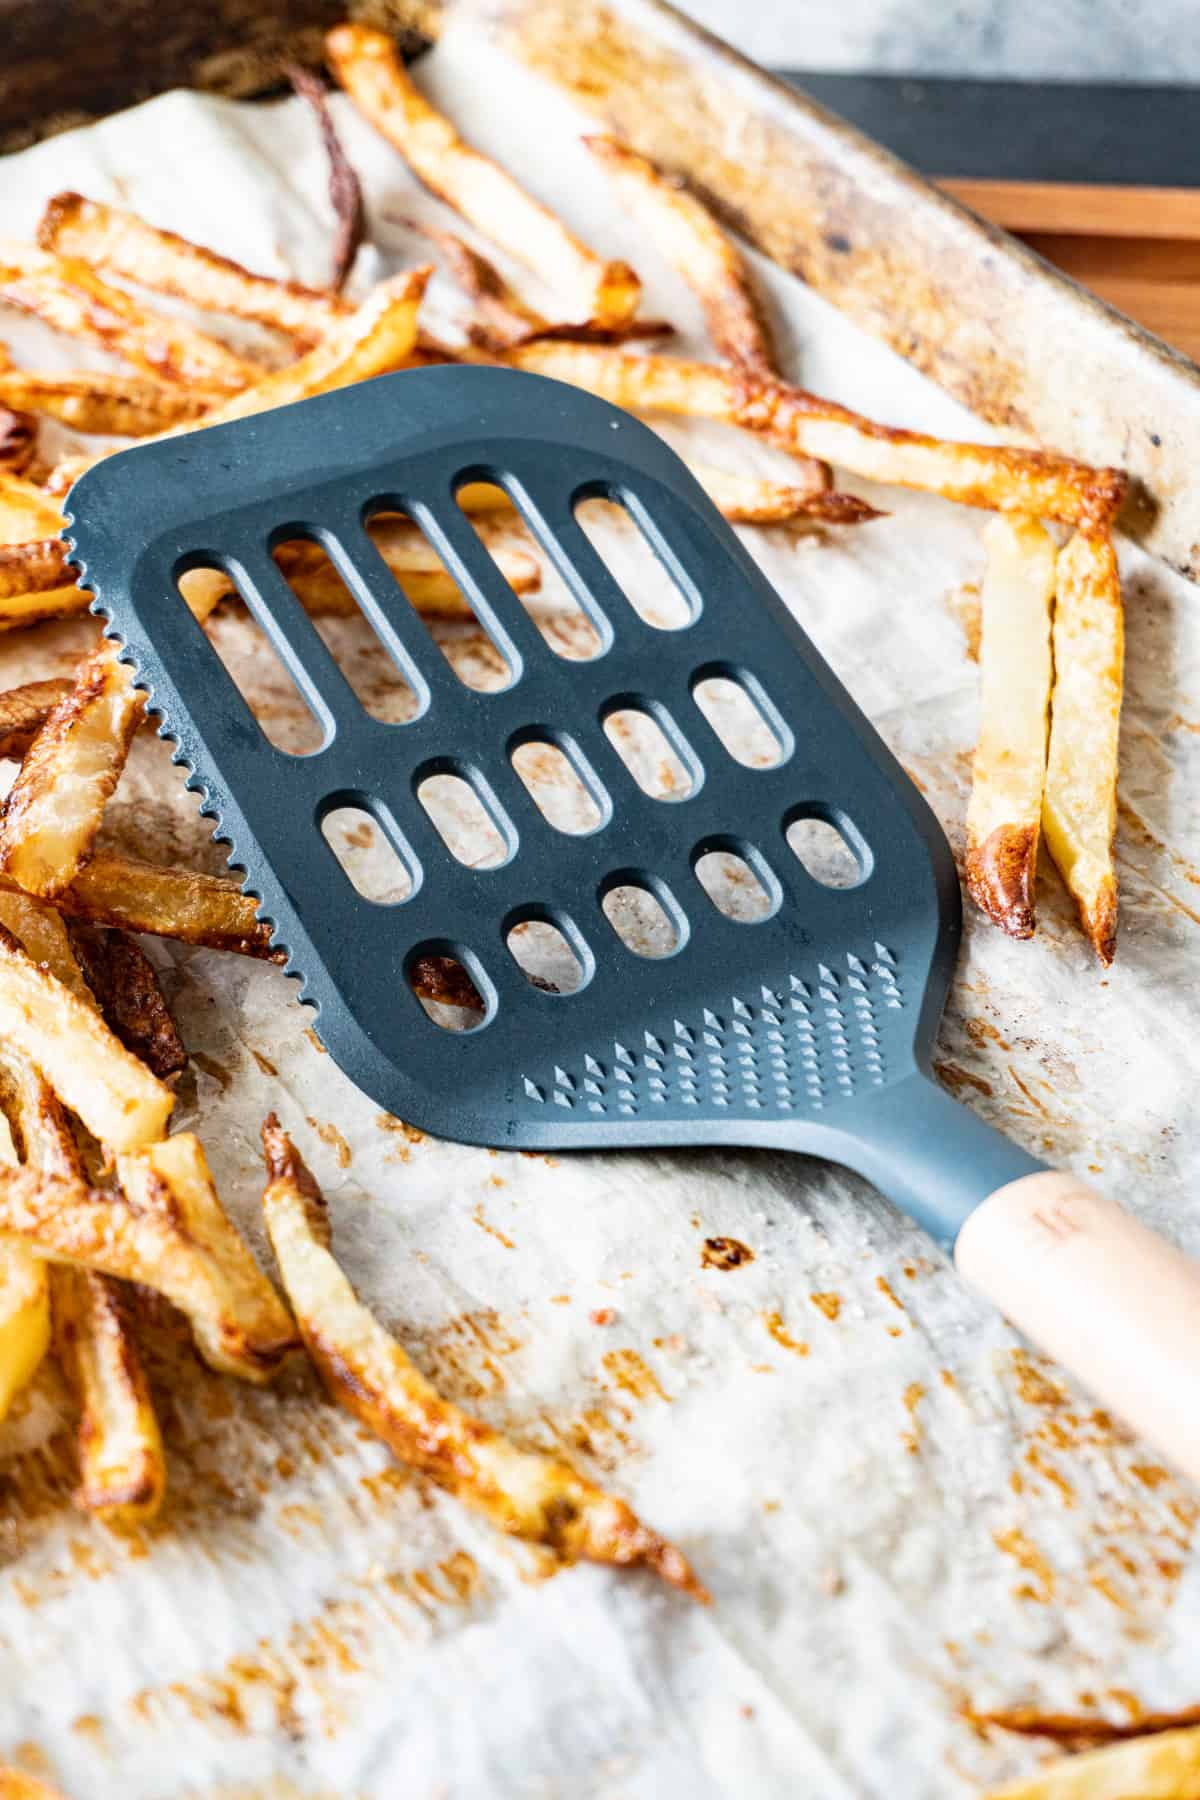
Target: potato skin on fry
column 527, row 1495
column 131, row 1002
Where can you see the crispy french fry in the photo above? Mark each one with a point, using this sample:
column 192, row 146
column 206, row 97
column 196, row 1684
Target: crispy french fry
column 368, row 66
column 1079, row 811
column 1163, row 1767
column 68, row 295
column 18, row 438
column 1008, row 777
column 26, row 513
column 32, row 568
column 25, row 709
column 115, row 1095
column 682, row 228
column 370, row 341
column 71, row 769
column 42, row 934
column 24, row 1321
column 171, row 1179
column 19, row 611
column 1033, row 483
column 102, row 400
column 154, row 1241
column 366, row 1370
column 127, row 992
column 750, row 500
column 124, row 244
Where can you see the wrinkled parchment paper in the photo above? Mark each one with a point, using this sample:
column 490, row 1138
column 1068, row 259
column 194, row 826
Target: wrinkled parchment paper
column 898, row 1512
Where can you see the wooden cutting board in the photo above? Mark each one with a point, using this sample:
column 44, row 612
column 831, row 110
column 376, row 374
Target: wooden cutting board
column 1137, row 247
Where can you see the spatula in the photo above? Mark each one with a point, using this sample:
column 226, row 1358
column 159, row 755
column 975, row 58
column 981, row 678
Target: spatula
column 808, row 1029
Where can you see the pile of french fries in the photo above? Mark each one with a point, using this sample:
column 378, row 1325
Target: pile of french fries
column 101, row 1199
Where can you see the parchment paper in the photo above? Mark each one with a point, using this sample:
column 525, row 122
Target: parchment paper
column 899, row 1513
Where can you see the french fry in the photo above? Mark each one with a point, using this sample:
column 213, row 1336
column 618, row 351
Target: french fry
column 27, row 515
column 366, row 1370
column 19, row 611
column 751, row 500
column 374, row 339
column 115, row 1095
column 105, row 401
column 1079, row 811
column 32, row 568
column 124, row 244
column 153, row 1241
column 43, row 935
column 682, row 228
column 1009, row 772
column 368, row 66
column 24, row 1321
column 171, row 1180
column 69, row 296
column 122, row 1466
column 25, row 709
column 18, row 438
column 128, row 995
column 1033, row 483
column 71, row 769
column 1163, row 1767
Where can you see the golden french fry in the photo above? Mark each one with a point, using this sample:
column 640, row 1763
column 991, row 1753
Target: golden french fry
column 42, row 934
column 24, row 1316
column 69, row 773
column 365, row 1369
column 26, row 513
column 750, row 500
column 123, row 1470
column 34, row 568
column 685, row 231
column 19, row 611
column 25, row 709
column 171, row 1180
column 115, row 1095
column 68, row 295
column 125, row 245
column 1079, row 811
column 1009, row 773
column 18, row 438
column 426, row 582
column 95, row 400
column 1033, row 483
column 368, row 66
column 1165, row 1766
column 192, row 908
column 156, row 1242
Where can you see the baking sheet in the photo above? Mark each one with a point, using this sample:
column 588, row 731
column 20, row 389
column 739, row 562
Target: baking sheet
column 899, row 1512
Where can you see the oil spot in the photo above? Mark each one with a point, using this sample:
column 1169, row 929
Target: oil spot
column 830, row 1304
column 725, row 1253
column 329, row 1134
column 1028, row 1557
column 774, row 1324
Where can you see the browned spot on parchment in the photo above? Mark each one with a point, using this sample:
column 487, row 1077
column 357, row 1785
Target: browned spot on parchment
column 1028, row 1557
column 492, row 1230
column 886, row 1289
column 964, row 603
column 774, row 1324
column 329, row 1134
column 955, row 1078
column 629, row 1372
column 725, row 1253
column 828, row 1303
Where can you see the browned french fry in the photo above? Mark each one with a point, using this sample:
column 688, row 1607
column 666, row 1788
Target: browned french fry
column 1163, row 1767
column 105, row 401
column 366, row 1370
column 122, row 1467
column 126, row 245
column 1008, row 776
column 18, row 438
column 26, row 513
column 25, row 709
column 32, row 568
column 1079, row 811
column 68, row 295
column 157, row 1242
column 368, row 66
column 43, row 936
column 750, row 500
column 115, row 1095
column 171, row 1179
column 1033, row 483
column 206, row 910
column 682, row 228
column 131, row 1002
column 69, row 772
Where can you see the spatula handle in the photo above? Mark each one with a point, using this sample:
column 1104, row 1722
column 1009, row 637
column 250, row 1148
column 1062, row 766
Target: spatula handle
column 1107, row 1297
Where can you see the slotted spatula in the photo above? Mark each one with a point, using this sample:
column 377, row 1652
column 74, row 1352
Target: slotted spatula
column 810, row 1029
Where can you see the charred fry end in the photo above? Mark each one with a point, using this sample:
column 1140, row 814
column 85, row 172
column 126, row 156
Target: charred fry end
column 1000, row 878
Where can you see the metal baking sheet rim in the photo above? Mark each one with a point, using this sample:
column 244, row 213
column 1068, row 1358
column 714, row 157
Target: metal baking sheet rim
column 1021, row 345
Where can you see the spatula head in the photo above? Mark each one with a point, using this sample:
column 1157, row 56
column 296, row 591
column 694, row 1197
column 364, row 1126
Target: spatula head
column 746, row 1032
